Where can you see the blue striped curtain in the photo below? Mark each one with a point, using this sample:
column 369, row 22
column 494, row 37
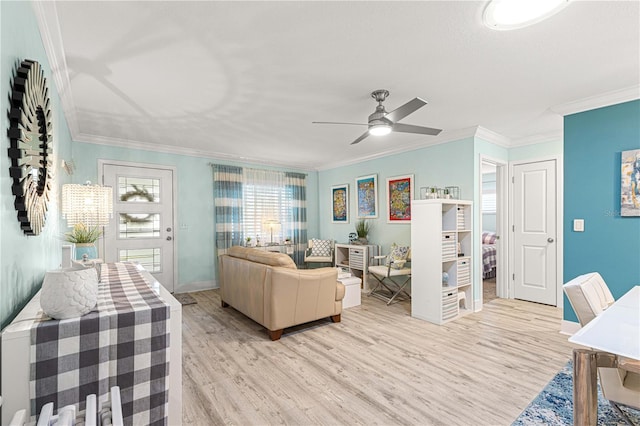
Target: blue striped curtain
column 227, row 202
column 228, row 191
column 297, row 189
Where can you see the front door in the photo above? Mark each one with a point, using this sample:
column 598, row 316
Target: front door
column 534, row 232
column 142, row 229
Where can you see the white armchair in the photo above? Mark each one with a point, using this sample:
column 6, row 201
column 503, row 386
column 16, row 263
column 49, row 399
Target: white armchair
column 319, row 251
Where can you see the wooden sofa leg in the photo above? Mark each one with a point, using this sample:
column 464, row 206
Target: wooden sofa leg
column 224, row 304
column 275, row 334
column 335, row 318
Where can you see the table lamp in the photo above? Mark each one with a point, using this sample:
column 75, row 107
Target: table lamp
column 86, row 208
column 271, row 225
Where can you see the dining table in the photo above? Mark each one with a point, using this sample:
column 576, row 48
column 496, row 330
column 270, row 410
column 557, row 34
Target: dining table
column 613, row 334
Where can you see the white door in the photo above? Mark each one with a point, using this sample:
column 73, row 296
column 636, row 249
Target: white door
column 534, row 232
column 142, row 229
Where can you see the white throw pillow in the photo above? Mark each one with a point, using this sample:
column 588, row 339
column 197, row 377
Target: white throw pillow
column 321, row 248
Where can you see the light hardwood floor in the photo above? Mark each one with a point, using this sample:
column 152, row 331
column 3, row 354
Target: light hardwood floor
column 378, row 366
column 489, row 290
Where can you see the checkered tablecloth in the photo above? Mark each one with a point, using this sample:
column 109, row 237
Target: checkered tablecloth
column 124, row 342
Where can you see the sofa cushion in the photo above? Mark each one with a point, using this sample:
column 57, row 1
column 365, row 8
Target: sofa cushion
column 239, row 251
column 270, row 258
column 320, row 248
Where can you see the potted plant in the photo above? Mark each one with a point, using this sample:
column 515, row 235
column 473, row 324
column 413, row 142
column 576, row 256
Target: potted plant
column 362, row 229
column 84, row 238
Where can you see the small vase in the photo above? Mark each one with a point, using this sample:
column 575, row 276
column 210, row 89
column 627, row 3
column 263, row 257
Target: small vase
column 69, row 293
column 86, row 248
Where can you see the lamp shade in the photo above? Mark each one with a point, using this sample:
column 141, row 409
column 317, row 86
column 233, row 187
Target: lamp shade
column 271, row 226
column 91, row 205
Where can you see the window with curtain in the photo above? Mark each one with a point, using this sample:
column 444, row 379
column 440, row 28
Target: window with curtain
column 266, row 205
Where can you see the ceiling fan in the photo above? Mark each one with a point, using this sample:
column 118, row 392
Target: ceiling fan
column 382, row 122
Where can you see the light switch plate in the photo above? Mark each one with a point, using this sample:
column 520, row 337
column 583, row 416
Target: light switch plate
column 578, row 225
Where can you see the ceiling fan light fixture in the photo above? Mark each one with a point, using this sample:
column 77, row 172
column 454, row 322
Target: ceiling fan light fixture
column 379, row 129
column 514, row 14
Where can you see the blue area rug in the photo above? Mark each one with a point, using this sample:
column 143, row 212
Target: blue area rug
column 554, row 405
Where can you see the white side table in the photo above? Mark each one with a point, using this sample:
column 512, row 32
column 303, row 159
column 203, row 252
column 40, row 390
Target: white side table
column 352, row 292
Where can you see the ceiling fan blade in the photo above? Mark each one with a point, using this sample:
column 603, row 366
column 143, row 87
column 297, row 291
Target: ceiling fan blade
column 409, row 128
column 334, row 122
column 406, row 109
column 360, row 138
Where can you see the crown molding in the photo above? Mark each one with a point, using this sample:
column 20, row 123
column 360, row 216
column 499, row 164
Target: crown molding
column 47, row 16
column 165, row 149
column 593, row 102
column 536, row 139
column 493, row 137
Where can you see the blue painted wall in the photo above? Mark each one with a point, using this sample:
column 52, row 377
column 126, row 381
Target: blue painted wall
column 449, row 164
column 610, row 244
column 24, row 260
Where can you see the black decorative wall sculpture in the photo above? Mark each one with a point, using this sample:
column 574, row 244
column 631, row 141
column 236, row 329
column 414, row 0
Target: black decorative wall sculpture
column 31, row 148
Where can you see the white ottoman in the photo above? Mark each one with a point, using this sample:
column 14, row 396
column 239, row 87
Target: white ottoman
column 351, row 292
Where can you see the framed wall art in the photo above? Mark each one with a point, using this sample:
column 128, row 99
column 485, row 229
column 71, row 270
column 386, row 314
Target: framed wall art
column 367, row 196
column 630, row 183
column 340, row 203
column 399, row 196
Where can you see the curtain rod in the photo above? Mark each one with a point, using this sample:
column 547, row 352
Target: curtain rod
column 218, row 164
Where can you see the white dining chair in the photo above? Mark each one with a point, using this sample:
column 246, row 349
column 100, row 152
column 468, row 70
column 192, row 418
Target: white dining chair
column 589, row 296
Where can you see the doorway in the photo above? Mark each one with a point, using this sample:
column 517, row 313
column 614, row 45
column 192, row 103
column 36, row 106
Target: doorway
column 493, row 206
column 143, row 227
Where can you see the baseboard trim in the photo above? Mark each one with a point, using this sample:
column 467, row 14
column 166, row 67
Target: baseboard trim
column 195, row 286
column 569, row 327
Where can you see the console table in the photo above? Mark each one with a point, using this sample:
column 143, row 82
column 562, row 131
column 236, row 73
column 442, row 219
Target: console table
column 16, row 347
column 356, row 259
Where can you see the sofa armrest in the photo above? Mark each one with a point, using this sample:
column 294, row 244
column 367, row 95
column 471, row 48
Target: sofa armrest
column 340, row 291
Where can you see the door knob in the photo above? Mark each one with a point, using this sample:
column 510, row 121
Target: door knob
column 168, row 238
column 549, row 240
column 168, row 229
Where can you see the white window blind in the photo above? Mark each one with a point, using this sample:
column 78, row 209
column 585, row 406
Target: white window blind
column 489, row 197
column 266, row 201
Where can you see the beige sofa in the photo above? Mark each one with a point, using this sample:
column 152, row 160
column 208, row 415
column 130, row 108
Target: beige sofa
column 268, row 288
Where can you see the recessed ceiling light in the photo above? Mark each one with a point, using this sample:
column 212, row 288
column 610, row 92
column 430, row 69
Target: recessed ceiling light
column 514, row 14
